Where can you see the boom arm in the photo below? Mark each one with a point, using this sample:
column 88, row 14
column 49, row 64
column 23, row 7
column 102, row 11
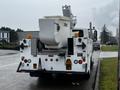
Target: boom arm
column 67, row 13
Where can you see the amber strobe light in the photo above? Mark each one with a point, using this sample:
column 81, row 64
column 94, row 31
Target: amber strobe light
column 68, row 64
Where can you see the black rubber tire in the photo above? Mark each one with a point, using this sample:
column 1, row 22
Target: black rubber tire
column 87, row 76
column 91, row 63
column 32, row 74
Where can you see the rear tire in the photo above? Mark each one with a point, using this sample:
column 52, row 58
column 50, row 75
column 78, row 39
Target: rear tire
column 32, row 74
column 87, row 76
column 91, row 63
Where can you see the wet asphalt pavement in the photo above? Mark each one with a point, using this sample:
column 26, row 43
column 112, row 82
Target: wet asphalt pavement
column 11, row 80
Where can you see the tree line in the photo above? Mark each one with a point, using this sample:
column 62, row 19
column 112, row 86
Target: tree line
column 12, row 32
column 106, row 36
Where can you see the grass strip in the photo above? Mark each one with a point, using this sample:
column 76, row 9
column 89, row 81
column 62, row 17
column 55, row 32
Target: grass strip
column 109, row 48
column 108, row 74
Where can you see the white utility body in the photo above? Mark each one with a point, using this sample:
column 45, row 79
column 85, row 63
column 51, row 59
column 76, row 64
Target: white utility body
column 59, row 49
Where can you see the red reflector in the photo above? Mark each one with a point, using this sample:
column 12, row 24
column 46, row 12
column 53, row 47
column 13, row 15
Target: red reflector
column 80, row 61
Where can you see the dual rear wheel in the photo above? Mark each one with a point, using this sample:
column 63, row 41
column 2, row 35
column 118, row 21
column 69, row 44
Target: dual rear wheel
column 87, row 76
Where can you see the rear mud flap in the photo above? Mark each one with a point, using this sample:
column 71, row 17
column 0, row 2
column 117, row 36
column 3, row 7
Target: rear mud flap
column 18, row 69
column 86, row 68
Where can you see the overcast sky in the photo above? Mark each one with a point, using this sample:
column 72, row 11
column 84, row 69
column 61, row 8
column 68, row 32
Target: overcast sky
column 24, row 14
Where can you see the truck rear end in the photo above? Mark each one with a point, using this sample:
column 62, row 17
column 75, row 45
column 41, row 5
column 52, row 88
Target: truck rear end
column 75, row 59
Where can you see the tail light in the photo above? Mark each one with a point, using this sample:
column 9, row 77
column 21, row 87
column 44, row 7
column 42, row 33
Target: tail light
column 80, row 61
column 25, row 60
column 29, row 60
column 22, row 58
column 75, row 61
column 84, row 59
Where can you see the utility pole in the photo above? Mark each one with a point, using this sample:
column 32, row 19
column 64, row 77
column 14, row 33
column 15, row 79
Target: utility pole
column 91, row 35
column 119, row 54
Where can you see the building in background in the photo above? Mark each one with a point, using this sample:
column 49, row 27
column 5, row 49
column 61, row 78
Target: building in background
column 24, row 34
column 5, row 35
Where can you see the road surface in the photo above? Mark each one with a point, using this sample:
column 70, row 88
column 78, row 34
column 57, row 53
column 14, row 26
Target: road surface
column 11, row 80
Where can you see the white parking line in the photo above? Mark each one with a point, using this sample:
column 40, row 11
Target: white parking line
column 8, row 65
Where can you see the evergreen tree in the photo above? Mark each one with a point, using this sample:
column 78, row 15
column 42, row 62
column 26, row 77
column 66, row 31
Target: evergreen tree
column 105, row 35
column 19, row 30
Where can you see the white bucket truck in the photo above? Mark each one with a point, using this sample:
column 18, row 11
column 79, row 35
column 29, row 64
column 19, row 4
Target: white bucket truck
column 59, row 50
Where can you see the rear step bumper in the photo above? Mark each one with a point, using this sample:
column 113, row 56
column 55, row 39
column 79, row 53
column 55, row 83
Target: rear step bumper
column 55, row 74
column 52, row 72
